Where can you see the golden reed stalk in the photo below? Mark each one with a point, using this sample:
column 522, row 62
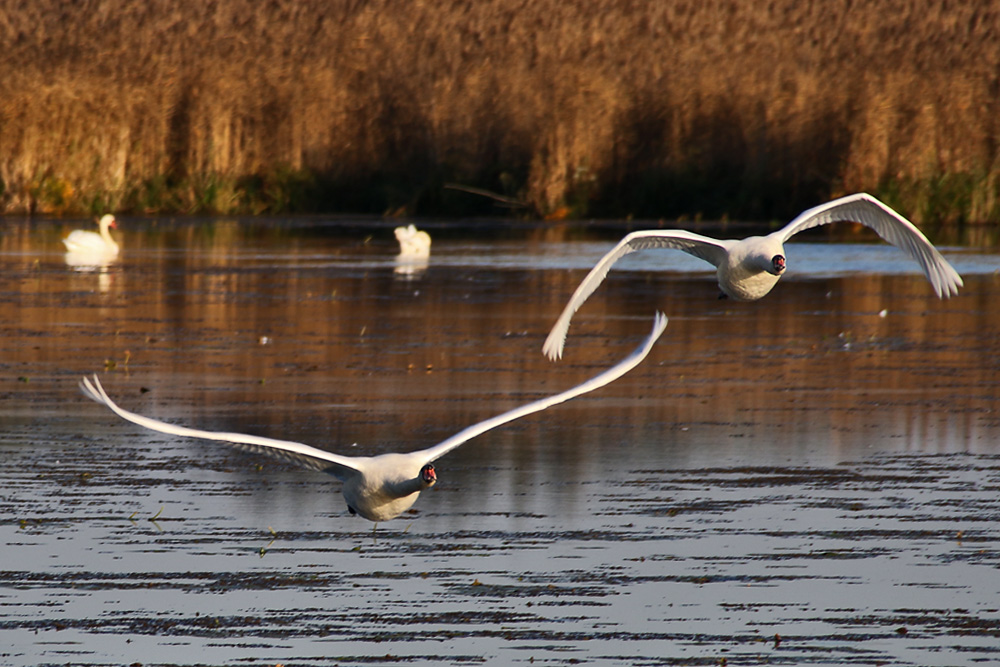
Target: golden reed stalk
column 607, row 107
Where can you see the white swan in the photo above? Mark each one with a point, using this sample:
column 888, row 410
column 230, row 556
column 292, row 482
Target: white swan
column 85, row 243
column 381, row 487
column 749, row 268
column 413, row 242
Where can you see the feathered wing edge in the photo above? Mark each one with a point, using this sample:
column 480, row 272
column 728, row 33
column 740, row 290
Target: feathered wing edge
column 606, row 377
column 709, row 249
column 295, row 452
column 343, row 466
column 888, row 224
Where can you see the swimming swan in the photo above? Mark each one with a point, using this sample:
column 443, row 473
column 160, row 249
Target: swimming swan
column 413, row 242
column 81, row 242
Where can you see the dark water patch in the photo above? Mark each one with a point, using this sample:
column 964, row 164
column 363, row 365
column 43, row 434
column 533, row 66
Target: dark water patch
column 182, row 581
column 476, row 589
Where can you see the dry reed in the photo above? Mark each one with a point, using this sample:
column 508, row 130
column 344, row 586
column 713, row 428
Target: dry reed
column 753, row 108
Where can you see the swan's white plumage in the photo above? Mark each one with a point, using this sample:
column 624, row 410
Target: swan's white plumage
column 413, row 243
column 381, row 487
column 97, row 244
column 745, row 268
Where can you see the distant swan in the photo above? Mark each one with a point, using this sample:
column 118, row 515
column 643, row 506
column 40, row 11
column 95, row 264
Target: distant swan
column 749, row 268
column 413, row 242
column 381, row 487
column 80, row 242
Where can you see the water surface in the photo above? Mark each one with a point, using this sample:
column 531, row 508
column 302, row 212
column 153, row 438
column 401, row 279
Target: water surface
column 809, row 479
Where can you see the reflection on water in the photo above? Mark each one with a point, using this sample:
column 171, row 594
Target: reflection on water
column 88, row 263
column 411, row 267
column 820, row 465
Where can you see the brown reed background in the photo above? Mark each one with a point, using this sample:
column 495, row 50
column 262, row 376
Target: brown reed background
column 748, row 108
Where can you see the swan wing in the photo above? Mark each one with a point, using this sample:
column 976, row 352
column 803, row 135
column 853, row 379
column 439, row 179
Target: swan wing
column 891, row 226
column 303, row 455
column 606, row 377
column 709, row 249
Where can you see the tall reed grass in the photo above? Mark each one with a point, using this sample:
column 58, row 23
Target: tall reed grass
column 750, row 108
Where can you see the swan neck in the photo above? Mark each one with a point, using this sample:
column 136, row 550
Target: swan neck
column 106, row 234
column 409, row 486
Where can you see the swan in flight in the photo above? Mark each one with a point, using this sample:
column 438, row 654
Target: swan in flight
column 749, row 268
column 413, row 243
column 381, row 487
column 85, row 243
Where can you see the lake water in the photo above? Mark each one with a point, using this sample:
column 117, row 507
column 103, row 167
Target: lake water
column 811, row 479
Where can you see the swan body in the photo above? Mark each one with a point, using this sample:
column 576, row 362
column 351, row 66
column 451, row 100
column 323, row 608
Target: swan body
column 381, row 487
column 81, row 242
column 413, row 243
column 748, row 269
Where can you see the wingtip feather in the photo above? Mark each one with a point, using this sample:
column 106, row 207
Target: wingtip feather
column 89, row 390
column 553, row 347
column 660, row 322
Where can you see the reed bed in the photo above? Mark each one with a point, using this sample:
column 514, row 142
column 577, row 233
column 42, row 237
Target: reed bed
column 742, row 108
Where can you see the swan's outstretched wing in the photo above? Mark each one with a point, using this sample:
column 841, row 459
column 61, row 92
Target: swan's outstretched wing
column 608, row 376
column 303, row 455
column 709, row 249
column 891, row 226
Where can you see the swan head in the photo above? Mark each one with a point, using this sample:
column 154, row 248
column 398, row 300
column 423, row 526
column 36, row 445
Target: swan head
column 428, row 476
column 109, row 221
column 766, row 254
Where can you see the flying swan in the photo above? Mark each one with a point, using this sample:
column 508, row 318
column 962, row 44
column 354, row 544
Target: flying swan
column 381, row 487
column 749, row 268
